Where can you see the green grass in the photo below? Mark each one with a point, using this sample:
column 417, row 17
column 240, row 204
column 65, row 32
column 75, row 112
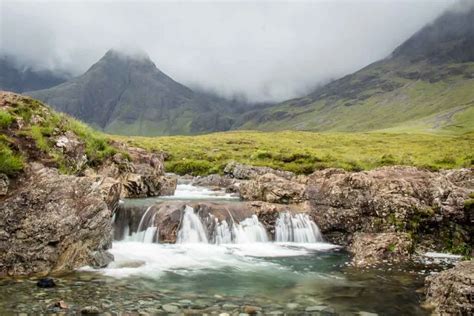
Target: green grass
column 42, row 125
column 10, row 162
column 304, row 152
column 5, row 119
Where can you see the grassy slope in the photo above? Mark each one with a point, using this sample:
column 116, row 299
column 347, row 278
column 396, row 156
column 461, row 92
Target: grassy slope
column 28, row 130
column 304, row 152
column 417, row 104
column 439, row 98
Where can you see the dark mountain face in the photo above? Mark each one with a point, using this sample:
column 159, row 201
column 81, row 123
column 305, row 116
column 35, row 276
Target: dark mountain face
column 448, row 39
column 19, row 79
column 129, row 95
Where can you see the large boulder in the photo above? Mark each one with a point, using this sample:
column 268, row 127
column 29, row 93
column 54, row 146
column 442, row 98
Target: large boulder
column 52, row 222
column 141, row 173
column 393, row 199
column 451, row 292
column 374, row 249
column 246, row 172
column 273, row 189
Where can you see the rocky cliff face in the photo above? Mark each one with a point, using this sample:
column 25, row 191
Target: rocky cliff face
column 52, row 222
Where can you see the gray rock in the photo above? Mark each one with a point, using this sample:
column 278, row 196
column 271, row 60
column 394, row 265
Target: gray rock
column 317, row 308
column 292, row 305
column 90, row 310
column 4, row 183
column 65, row 219
column 170, row 308
column 372, row 249
column 450, row 292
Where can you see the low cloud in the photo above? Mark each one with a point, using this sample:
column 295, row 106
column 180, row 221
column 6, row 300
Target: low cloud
column 265, row 51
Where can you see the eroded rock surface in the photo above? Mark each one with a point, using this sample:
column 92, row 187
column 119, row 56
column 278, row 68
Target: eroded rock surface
column 54, row 222
column 273, row 189
column 246, row 172
column 372, row 249
column 451, row 292
column 429, row 205
column 141, row 175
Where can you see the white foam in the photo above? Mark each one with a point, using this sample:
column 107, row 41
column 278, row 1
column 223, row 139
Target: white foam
column 191, row 192
column 152, row 260
column 442, row 255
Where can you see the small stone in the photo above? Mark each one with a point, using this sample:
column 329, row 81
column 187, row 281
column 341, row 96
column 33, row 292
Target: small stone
column 90, row 310
column 229, row 306
column 224, row 314
column 292, row 305
column 59, row 305
column 170, row 308
column 251, row 309
column 185, row 302
column 46, row 283
column 362, row 313
column 318, row 308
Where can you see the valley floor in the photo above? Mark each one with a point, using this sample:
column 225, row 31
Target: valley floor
column 304, row 152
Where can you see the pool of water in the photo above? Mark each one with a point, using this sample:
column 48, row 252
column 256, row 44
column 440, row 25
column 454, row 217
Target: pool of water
column 204, row 278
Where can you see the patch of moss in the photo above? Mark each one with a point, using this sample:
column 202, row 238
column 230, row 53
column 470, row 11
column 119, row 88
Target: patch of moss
column 10, row 162
column 5, row 119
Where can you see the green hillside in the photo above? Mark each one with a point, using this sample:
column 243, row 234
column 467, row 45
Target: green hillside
column 427, row 84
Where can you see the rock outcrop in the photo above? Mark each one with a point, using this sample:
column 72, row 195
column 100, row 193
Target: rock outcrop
column 428, row 205
column 273, row 189
column 246, row 172
column 372, row 249
column 451, row 292
column 53, row 222
column 141, row 174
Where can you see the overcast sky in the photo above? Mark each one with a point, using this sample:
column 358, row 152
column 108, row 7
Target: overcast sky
column 265, row 50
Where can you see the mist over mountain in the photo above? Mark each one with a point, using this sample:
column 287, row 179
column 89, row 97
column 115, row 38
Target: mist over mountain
column 265, row 51
column 125, row 93
column 17, row 78
column 427, row 83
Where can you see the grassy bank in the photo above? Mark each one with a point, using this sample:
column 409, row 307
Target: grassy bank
column 304, row 152
column 29, row 130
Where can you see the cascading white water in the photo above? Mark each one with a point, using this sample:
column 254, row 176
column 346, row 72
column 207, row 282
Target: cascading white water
column 296, row 228
column 146, row 230
column 250, row 230
column 247, row 231
column 192, row 230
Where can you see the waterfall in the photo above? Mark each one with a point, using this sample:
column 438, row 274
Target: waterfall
column 192, row 230
column 250, row 230
column 247, row 231
column 296, row 228
column 146, row 230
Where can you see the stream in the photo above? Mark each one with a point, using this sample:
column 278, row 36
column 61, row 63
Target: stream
column 237, row 268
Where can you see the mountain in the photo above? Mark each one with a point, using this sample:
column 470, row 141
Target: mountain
column 16, row 78
column 427, row 84
column 128, row 94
